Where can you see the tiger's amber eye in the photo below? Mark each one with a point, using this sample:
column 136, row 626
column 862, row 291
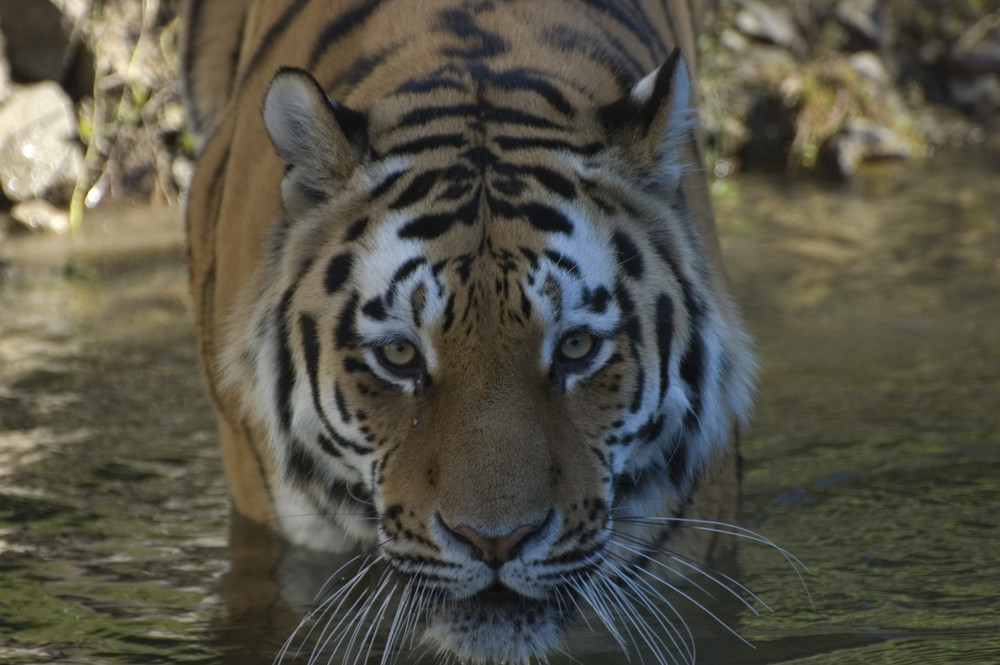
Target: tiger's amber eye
column 399, row 354
column 576, row 346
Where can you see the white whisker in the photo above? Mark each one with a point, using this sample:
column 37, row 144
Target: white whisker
column 323, row 607
column 629, row 617
column 374, row 625
column 689, row 598
column 347, row 617
column 401, row 609
column 735, row 530
column 655, row 559
column 359, row 620
column 640, row 543
column 588, row 593
column 680, row 643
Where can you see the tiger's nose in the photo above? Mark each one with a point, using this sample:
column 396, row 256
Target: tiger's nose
column 496, row 551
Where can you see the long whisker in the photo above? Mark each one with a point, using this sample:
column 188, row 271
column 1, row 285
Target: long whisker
column 373, row 626
column 643, row 591
column 368, row 555
column 643, row 550
column 639, row 549
column 688, row 597
column 331, row 630
column 359, row 620
column 730, row 530
column 323, row 607
column 402, row 608
column 641, row 595
column 587, row 593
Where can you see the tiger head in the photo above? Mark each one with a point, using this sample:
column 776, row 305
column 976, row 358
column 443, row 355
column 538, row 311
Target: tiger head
column 489, row 343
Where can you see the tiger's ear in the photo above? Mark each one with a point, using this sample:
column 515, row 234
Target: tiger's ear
column 319, row 141
column 654, row 123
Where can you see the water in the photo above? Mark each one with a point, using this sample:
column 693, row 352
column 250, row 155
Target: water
column 874, row 455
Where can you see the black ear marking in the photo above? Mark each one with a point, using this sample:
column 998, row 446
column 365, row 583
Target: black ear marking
column 635, row 112
column 654, row 122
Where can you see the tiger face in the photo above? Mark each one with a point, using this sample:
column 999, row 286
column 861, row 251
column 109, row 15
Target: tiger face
column 496, row 353
column 486, row 339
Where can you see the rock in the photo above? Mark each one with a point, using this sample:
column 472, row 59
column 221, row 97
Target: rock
column 981, row 58
column 978, row 94
column 40, row 47
column 869, row 65
column 39, row 157
column 41, row 216
column 862, row 140
column 865, row 20
column 878, row 84
column 974, row 83
column 182, row 170
column 733, row 41
column 770, row 24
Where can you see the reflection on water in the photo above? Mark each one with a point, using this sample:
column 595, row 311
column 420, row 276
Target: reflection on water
column 874, row 455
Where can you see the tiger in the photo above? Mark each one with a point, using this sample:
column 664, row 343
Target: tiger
column 460, row 305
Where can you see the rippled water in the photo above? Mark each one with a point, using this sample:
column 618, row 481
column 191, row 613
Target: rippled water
column 874, row 456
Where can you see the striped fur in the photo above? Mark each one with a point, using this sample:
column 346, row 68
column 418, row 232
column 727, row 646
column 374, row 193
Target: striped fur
column 458, row 294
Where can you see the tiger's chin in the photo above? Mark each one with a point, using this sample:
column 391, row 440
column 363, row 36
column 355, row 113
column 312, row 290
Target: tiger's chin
column 495, row 625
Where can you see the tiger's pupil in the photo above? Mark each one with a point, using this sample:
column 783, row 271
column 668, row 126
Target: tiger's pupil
column 399, row 353
column 576, row 346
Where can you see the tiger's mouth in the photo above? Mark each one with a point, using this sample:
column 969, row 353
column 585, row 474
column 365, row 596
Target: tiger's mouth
column 501, row 597
column 498, row 624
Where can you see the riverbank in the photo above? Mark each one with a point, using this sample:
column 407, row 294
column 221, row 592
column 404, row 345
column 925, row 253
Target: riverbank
column 90, row 110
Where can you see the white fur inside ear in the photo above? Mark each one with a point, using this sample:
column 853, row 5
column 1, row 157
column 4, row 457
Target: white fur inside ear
column 643, row 90
column 675, row 126
column 295, row 116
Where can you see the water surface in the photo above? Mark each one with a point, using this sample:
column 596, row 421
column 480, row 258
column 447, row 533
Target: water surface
column 874, row 455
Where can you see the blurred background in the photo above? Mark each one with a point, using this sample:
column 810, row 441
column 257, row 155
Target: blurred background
column 90, row 112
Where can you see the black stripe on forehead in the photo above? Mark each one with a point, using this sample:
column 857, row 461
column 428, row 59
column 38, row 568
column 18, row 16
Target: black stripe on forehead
column 629, row 257
column 378, row 306
column 337, row 272
column 345, row 334
column 563, row 262
column 407, row 269
column 596, row 300
column 546, row 218
column 434, row 225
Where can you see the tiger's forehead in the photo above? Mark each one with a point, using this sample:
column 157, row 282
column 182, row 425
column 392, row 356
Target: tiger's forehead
column 480, row 188
column 518, row 266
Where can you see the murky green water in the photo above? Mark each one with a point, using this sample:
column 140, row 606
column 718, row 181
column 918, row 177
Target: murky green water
column 874, row 456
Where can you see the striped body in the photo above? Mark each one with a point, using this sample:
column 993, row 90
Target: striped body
column 458, row 294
